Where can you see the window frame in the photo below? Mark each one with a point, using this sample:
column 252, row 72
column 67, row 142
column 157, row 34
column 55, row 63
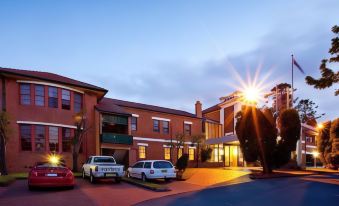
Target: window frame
column 29, row 128
column 38, row 96
column 42, row 131
column 189, row 154
column 135, row 124
column 49, row 139
column 167, row 153
column 22, row 94
column 142, row 150
column 76, row 103
column 190, row 129
column 53, row 99
column 165, row 130
column 65, row 103
column 65, row 141
column 156, row 129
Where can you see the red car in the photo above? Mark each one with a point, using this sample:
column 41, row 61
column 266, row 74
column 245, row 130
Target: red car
column 46, row 174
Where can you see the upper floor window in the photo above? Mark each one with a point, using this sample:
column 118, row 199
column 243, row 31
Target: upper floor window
column 40, row 138
column 53, row 139
column 187, row 129
column 165, row 127
column 39, row 95
column 156, row 127
column 25, row 94
column 66, row 139
column 77, row 102
column 26, row 137
column 134, row 123
column 65, row 99
column 53, row 97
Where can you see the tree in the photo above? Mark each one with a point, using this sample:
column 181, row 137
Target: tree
column 328, row 76
column 4, row 133
column 307, row 111
column 257, row 135
column 79, row 135
column 180, row 141
column 197, row 140
column 324, row 144
column 289, row 125
column 334, row 139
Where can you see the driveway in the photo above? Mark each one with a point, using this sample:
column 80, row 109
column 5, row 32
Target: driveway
column 318, row 190
column 110, row 193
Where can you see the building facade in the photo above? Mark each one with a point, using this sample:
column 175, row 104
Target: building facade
column 42, row 107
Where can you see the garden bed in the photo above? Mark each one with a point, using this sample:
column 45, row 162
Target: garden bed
column 147, row 185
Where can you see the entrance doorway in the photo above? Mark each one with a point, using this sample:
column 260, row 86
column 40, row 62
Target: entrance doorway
column 121, row 156
column 233, row 156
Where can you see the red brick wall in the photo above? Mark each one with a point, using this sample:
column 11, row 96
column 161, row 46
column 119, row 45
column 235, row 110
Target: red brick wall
column 18, row 160
column 229, row 119
column 215, row 115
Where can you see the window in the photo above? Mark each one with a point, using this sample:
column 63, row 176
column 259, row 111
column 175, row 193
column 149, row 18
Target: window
column 65, row 99
column 114, row 124
column 25, row 94
column 180, row 152
column 53, row 97
column 77, row 102
column 148, row 165
column 53, row 139
column 142, row 152
column 165, row 127
column 309, row 139
column 138, row 165
column 39, row 95
column 167, row 151
column 66, row 139
column 191, row 153
column 156, row 127
column 26, row 137
column 187, row 129
column 134, row 123
column 162, row 165
column 40, row 138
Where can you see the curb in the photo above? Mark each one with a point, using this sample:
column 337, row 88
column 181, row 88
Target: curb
column 131, row 181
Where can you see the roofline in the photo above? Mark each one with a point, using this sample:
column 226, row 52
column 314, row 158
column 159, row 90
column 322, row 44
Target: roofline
column 116, row 113
column 60, row 82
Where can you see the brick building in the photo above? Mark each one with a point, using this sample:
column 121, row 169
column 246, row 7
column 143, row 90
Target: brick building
column 42, row 107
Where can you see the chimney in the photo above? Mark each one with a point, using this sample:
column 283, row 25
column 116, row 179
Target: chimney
column 198, row 109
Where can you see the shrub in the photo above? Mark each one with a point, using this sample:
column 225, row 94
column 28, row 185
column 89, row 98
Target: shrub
column 182, row 162
column 206, row 154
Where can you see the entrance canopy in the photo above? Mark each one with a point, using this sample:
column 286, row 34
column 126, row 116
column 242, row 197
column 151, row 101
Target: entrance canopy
column 229, row 139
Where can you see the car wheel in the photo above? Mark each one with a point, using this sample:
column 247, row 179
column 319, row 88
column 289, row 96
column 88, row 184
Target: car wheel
column 83, row 174
column 92, row 178
column 167, row 179
column 118, row 179
column 70, row 187
column 143, row 177
column 30, row 187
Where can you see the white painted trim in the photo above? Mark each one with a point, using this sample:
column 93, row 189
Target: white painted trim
column 162, row 119
column 192, row 147
column 308, row 126
column 157, row 140
column 142, row 144
column 303, row 152
column 187, row 122
column 135, row 115
column 50, row 84
column 167, row 146
column 46, row 124
column 229, row 133
column 311, row 146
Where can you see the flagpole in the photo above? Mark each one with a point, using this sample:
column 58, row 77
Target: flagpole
column 292, row 83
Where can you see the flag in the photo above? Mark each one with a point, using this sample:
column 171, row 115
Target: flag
column 298, row 66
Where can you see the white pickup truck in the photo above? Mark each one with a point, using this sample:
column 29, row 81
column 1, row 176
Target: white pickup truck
column 100, row 167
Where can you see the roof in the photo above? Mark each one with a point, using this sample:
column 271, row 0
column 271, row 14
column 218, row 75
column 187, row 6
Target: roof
column 50, row 77
column 211, row 109
column 105, row 103
column 225, row 139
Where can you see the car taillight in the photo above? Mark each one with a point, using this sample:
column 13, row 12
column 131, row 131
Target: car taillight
column 96, row 168
column 151, row 171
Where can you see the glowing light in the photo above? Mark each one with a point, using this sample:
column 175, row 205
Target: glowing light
column 320, row 126
column 251, row 95
column 54, row 159
column 315, row 154
column 235, row 152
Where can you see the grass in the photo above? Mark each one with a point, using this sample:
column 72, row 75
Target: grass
column 147, row 185
column 6, row 180
column 77, row 174
column 19, row 175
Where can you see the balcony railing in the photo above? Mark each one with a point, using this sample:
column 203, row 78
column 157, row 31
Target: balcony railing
column 117, row 138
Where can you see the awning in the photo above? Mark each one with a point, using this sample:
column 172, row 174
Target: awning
column 231, row 139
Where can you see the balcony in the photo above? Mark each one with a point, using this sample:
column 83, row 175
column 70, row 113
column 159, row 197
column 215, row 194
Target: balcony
column 117, row 138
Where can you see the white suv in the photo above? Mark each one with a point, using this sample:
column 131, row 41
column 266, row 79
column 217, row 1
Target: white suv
column 152, row 169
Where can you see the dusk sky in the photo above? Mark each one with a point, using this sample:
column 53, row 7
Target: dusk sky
column 171, row 53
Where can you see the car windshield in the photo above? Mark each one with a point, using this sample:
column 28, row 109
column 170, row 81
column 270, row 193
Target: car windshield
column 104, row 159
column 162, row 164
column 48, row 164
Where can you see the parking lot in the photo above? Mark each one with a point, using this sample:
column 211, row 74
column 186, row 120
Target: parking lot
column 108, row 192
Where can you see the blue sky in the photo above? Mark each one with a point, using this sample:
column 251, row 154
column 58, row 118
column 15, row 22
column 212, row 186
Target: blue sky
column 171, row 53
